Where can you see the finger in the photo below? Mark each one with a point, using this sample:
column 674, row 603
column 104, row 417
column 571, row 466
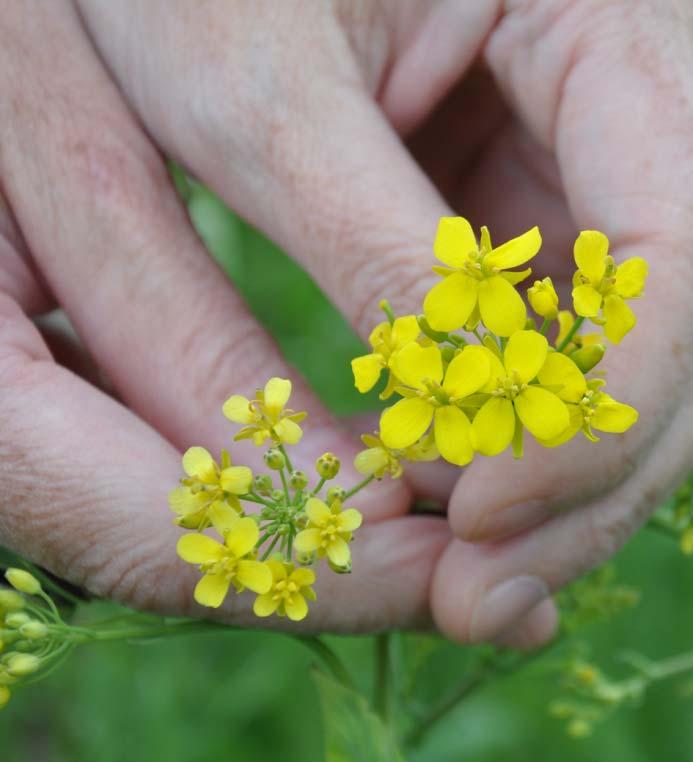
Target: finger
column 84, row 482
column 535, row 629
column 152, row 308
column 480, row 591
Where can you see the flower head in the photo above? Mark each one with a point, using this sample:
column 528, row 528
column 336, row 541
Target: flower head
column 477, row 279
column 287, row 596
column 599, row 285
column 232, row 562
column 386, row 339
column 329, row 531
column 266, row 416
column 434, row 394
column 378, row 459
column 543, row 298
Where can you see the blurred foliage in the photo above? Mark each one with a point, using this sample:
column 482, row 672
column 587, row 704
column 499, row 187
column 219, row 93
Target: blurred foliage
column 250, row 696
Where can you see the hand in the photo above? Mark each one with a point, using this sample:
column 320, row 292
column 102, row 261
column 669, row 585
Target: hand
column 292, row 115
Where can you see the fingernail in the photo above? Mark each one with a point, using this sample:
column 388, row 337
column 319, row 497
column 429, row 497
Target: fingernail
column 505, row 603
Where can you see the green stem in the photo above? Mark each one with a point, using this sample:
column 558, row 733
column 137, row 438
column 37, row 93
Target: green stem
column 319, row 486
column 283, row 451
column 285, row 485
column 382, row 689
column 672, row 666
column 266, row 553
column 358, row 487
column 545, row 327
column 569, row 336
column 252, row 497
column 145, row 632
column 329, row 657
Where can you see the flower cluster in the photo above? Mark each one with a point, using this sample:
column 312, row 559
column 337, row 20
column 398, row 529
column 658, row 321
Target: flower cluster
column 269, row 534
column 474, row 372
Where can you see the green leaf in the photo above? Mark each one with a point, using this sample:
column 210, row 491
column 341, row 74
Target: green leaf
column 353, row 732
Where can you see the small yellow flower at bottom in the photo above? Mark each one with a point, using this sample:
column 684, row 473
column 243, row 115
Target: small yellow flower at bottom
column 231, row 563
column 287, row 596
column 329, row 531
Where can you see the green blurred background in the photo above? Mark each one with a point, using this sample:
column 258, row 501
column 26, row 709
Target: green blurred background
column 248, row 696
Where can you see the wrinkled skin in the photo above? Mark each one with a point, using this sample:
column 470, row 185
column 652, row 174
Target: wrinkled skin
column 343, row 130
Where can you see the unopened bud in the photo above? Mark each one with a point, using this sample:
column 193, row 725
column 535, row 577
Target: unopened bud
column 10, row 600
column 16, row 619
column 336, row 493
column 34, row 630
column 23, row 581
column 20, row 665
column 263, row 484
column 327, row 465
column 346, row 569
column 588, row 356
column 298, row 479
column 544, row 299
column 579, row 728
column 275, row 459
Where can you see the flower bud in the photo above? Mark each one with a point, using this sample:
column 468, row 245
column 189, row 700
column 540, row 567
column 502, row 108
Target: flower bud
column 298, row 479
column 327, row 465
column 274, row 459
column 304, row 559
column 589, row 356
column 579, row 728
column 10, row 600
column 544, row 299
column 34, row 630
column 23, row 581
column 16, row 619
column 262, row 484
column 340, row 569
column 278, row 495
column 20, row 665
column 335, row 493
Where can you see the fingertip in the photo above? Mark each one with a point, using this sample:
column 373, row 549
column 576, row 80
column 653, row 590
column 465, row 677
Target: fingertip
column 536, row 629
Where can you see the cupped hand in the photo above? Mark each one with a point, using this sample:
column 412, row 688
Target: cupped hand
column 343, row 131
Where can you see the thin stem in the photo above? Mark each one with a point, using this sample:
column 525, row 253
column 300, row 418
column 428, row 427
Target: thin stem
column 253, row 497
column 145, row 632
column 328, row 656
column 285, row 485
column 382, row 689
column 359, row 487
column 672, row 666
column 319, row 486
column 266, row 553
column 569, row 336
column 283, row 451
column 545, row 327
column 475, row 331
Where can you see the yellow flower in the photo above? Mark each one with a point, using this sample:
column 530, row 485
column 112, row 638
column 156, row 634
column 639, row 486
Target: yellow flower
column 378, row 459
column 526, row 385
column 329, row 531
column 543, row 298
column 595, row 409
column 207, row 495
column 265, row 416
column 476, row 279
column 601, row 285
column 434, row 395
column 287, row 596
column 222, row 565
column 385, row 339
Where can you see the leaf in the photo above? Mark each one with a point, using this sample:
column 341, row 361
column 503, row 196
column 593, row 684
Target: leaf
column 353, row 732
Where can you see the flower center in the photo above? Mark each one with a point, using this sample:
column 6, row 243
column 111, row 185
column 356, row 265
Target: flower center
column 329, row 530
column 509, row 387
column 225, row 566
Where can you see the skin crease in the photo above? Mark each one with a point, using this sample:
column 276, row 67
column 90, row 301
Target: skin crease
column 343, row 130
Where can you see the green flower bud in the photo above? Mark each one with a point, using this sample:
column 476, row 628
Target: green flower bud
column 16, row 619
column 304, row 559
column 274, row 459
column 263, row 484
column 327, row 465
column 579, row 728
column 589, row 356
column 278, row 495
column 10, row 600
column 23, row 581
column 335, row 493
column 340, row 569
column 34, row 630
column 20, row 665
column 298, row 479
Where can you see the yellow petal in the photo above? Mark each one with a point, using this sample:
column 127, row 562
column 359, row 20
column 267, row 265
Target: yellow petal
column 575, row 424
column 514, row 277
column 223, row 517
column 350, row 520
column 296, row 607
column 211, row 590
column 237, row 409
column 613, row 417
column 525, row 354
column 542, row 413
column 236, row 479
column 366, row 370
column 371, row 461
column 277, row 393
column 455, row 241
column 405, row 422
column 288, row 431
column 619, row 317
column 501, row 307
column 586, row 300
column 243, row 537
column 630, row 277
column 307, row 541
column 197, row 462
column 415, row 364
column 565, row 323
column 590, row 250
column 198, row 548
column 265, row 605
column 497, row 371
column 452, row 434
column 317, row 511
column 450, row 302
column 255, row 575
column 516, row 251
column 338, row 552
column 302, row 577
column 404, row 330
column 493, row 426
column 467, row 372
column 182, row 501
column 561, row 371
column 380, row 336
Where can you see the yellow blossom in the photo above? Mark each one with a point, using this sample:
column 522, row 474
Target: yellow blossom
column 329, row 531
column 385, row 339
column 432, row 394
column 207, row 495
column 378, row 459
column 523, row 393
column 477, row 278
column 287, row 596
column 601, row 285
column 544, row 299
column 222, row 565
column 266, row 416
